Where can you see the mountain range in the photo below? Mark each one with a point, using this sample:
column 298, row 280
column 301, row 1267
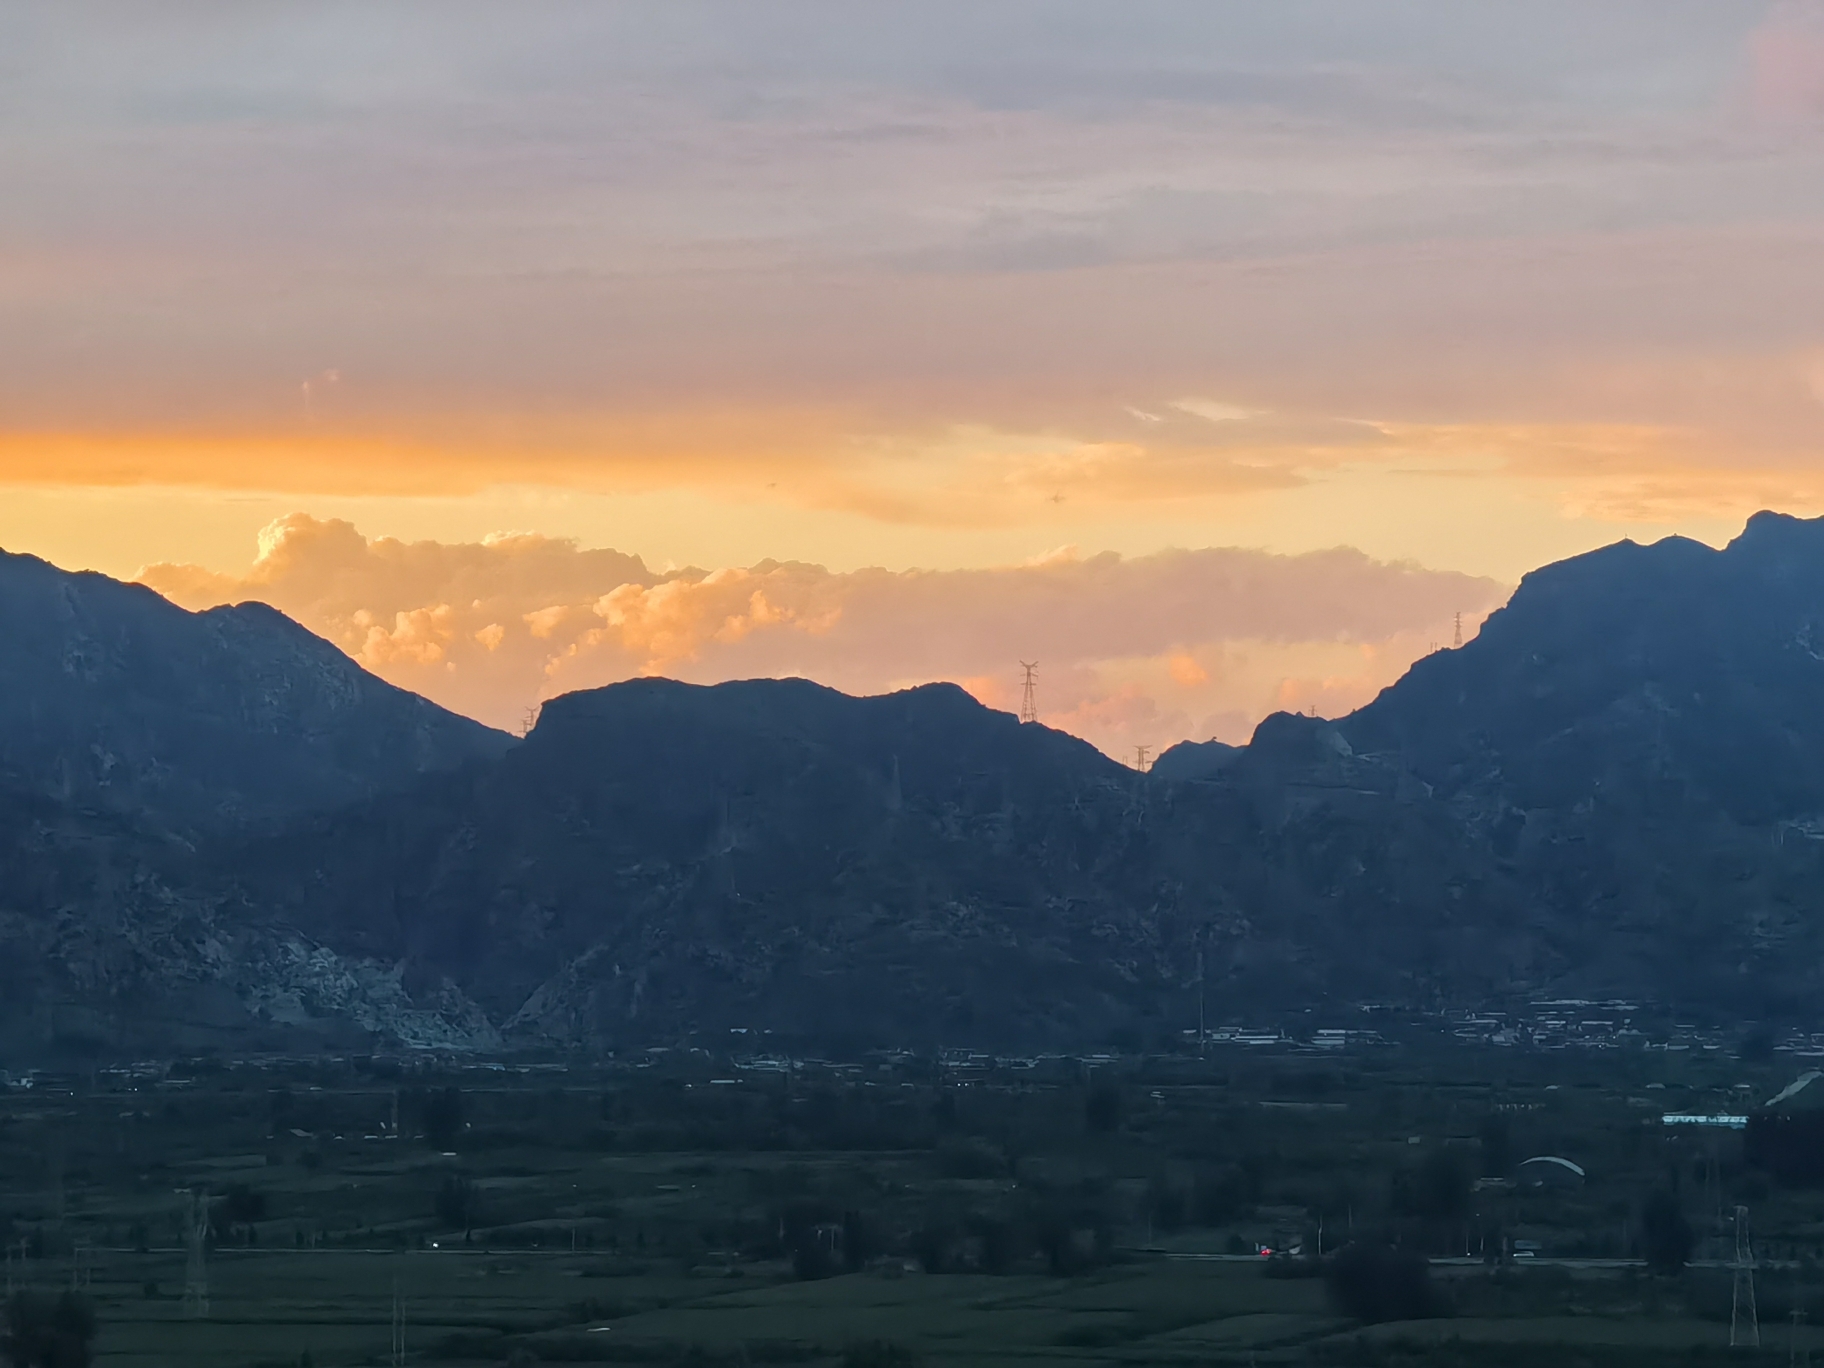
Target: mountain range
column 215, row 829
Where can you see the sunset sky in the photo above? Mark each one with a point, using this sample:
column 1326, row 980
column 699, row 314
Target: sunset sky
column 1213, row 354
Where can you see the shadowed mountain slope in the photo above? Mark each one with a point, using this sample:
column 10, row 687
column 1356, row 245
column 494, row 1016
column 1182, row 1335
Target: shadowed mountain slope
column 658, row 858
column 1616, row 788
column 1639, row 736
column 112, row 697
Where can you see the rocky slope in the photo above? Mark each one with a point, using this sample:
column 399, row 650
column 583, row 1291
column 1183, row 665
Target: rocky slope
column 130, row 731
column 658, row 858
column 1617, row 787
column 1639, row 737
column 111, row 697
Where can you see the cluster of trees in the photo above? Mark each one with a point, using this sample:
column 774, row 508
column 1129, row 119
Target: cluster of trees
column 1787, row 1145
column 44, row 1331
column 456, row 1206
column 1065, row 1237
column 1665, row 1234
column 1378, row 1282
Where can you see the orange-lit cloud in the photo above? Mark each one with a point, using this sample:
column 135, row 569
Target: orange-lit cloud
column 1132, row 650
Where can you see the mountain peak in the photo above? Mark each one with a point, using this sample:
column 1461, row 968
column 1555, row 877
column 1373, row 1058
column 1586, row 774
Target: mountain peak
column 114, row 697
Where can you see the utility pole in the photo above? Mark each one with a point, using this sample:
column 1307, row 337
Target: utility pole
column 398, row 1358
column 1459, row 641
column 1201, row 1037
column 1029, row 703
column 1140, row 754
column 196, row 1268
column 1744, row 1322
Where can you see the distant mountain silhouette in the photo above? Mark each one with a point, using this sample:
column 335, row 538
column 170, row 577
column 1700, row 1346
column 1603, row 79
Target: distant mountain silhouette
column 1616, row 788
column 1194, row 760
column 110, row 696
column 658, row 859
column 771, row 853
column 1639, row 734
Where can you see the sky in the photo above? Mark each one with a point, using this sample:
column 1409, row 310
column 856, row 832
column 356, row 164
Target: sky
column 1214, row 355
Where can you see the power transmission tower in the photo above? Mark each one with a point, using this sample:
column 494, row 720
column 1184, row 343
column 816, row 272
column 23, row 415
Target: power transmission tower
column 1140, row 754
column 1744, row 1322
column 196, row 1268
column 1459, row 641
column 1029, row 703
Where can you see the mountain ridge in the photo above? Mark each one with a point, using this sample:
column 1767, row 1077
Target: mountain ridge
column 113, row 696
column 1615, row 788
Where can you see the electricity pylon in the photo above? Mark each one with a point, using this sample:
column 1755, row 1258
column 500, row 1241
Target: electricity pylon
column 196, row 1268
column 1029, row 703
column 1744, row 1321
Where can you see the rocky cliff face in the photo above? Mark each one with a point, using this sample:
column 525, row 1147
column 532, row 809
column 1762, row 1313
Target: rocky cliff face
column 130, row 731
column 1638, row 737
column 659, row 858
column 1617, row 787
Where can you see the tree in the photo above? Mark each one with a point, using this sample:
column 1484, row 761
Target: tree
column 440, row 1113
column 456, row 1205
column 1757, row 1045
column 1497, row 1144
column 998, row 1240
column 1788, row 1145
column 1376, row 1283
column 878, row 1354
column 241, row 1205
column 1167, row 1203
column 1219, row 1195
column 813, row 1259
column 1073, row 1240
column 1666, row 1236
column 861, row 1240
column 49, row 1332
column 931, row 1244
column 1437, row 1190
column 279, row 1106
column 1102, row 1108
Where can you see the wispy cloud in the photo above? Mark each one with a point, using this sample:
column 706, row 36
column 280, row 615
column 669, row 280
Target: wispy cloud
column 955, row 265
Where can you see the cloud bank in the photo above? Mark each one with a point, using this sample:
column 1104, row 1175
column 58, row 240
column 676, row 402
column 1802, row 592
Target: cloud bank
column 982, row 275
column 1141, row 650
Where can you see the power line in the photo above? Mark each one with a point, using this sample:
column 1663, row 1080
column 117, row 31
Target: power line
column 1029, row 704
